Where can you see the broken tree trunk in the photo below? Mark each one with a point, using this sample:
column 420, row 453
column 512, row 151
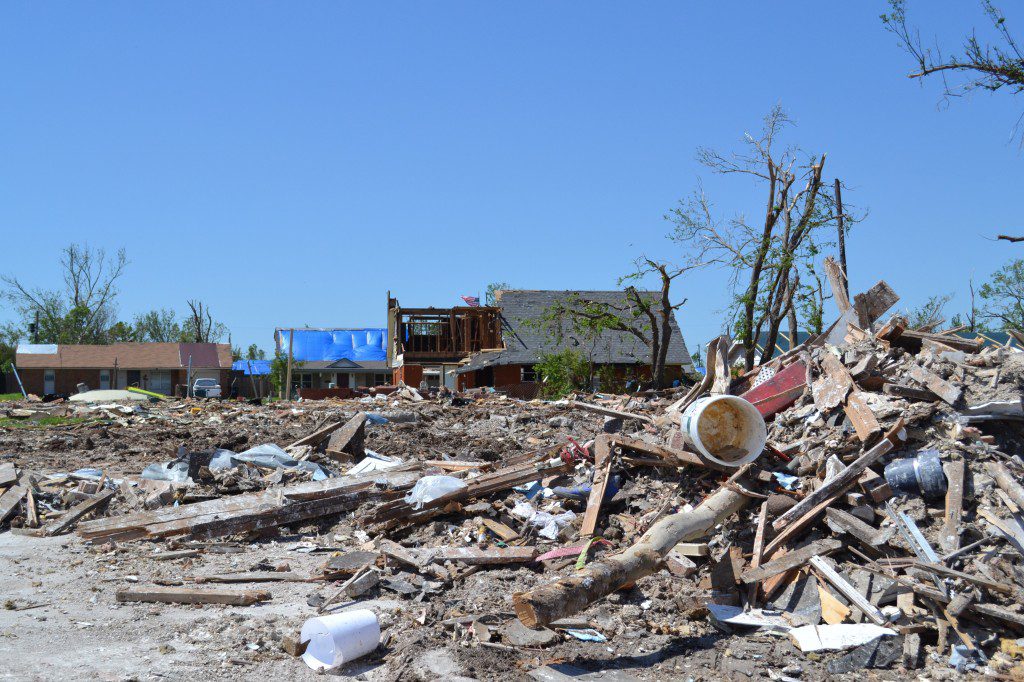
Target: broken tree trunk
column 572, row 594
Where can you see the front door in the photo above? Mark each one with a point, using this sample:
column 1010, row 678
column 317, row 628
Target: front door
column 104, row 379
column 134, row 378
column 160, row 382
column 49, row 382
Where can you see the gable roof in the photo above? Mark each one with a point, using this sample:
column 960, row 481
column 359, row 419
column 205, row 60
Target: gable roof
column 525, row 342
column 126, row 356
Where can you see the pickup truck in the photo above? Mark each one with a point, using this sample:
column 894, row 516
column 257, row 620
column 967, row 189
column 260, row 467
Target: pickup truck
column 206, row 388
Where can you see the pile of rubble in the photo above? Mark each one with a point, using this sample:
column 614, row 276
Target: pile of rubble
column 877, row 527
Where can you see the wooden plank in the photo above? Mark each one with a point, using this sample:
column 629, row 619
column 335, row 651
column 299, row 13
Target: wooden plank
column 673, row 456
column 66, row 522
column 179, row 595
column 1007, row 482
column 500, row 529
column 874, row 302
column 913, row 340
column 949, row 536
column 757, row 553
column 833, row 611
column 863, row 419
column 936, row 384
column 865, row 533
column 830, row 389
column 10, row 499
column 793, row 559
column 252, row 577
column 458, row 465
column 317, row 436
column 891, row 330
column 602, row 472
column 837, row 281
column 348, row 444
column 609, row 412
column 851, row 593
column 8, row 474
column 698, row 549
column 834, row 487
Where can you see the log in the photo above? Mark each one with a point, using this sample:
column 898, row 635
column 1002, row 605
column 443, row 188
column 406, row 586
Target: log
column 571, row 594
column 179, row 595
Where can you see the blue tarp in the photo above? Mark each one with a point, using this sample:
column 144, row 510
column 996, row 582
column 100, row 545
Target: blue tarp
column 315, row 345
column 259, row 367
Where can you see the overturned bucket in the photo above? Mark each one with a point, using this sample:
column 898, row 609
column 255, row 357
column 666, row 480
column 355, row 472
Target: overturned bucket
column 921, row 475
column 339, row 638
column 725, row 429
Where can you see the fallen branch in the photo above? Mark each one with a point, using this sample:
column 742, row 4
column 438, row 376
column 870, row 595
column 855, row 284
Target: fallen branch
column 572, row 594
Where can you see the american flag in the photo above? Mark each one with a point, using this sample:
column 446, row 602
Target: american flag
column 471, row 301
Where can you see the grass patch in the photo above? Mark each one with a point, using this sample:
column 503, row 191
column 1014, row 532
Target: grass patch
column 10, row 397
column 43, row 423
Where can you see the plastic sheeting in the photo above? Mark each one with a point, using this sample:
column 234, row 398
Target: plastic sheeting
column 315, row 345
column 269, row 456
column 255, row 367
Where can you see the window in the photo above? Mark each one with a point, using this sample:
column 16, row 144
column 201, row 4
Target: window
column 529, row 374
column 381, row 379
column 302, row 380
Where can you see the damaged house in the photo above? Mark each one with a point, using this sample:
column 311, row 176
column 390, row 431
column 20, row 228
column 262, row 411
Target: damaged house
column 469, row 347
column 333, row 359
column 57, row 369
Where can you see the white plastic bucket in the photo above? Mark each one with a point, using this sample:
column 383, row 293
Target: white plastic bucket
column 726, row 429
column 339, row 638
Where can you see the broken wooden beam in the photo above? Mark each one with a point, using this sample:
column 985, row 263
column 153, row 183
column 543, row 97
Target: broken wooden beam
column 1007, row 482
column 671, row 456
column 10, row 500
column 348, row 444
column 793, row 559
column 909, row 392
column 851, row 593
column 73, row 515
column 936, row 384
column 179, row 595
column 602, row 472
column 478, row 556
column 949, row 535
column 8, row 474
column 609, row 412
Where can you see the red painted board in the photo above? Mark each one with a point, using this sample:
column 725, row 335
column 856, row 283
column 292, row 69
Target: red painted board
column 780, row 391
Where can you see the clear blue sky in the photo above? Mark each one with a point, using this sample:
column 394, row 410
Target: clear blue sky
column 289, row 163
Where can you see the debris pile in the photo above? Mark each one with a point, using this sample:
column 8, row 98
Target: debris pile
column 874, row 523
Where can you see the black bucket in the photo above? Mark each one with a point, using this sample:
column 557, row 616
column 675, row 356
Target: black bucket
column 921, row 475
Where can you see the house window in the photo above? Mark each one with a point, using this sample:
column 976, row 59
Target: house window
column 381, row 379
column 529, row 374
column 304, row 380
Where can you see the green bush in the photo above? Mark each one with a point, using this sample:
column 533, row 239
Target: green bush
column 562, row 373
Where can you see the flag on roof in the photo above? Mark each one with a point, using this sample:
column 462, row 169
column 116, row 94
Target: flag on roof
column 471, row 301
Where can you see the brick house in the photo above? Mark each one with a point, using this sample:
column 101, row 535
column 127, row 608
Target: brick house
column 159, row 367
column 469, row 347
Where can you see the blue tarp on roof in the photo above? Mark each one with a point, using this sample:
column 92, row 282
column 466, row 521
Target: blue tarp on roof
column 258, row 367
column 313, row 345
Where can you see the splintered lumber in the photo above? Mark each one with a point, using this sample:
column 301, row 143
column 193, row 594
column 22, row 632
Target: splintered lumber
column 936, row 384
column 602, row 472
column 909, row 392
column 757, row 553
column 348, row 443
column 863, row 419
column 609, row 412
column 241, row 513
column 10, row 499
column 830, row 389
column 835, row 486
column 571, row 594
column 892, row 329
column 990, row 610
column 913, row 340
column 73, row 515
column 476, row 556
column 837, row 280
column 851, row 593
column 873, row 303
column 949, row 536
column 848, row 523
column 793, row 559
column 399, row 512
column 178, row 595
column 672, row 456
column 317, row 436
column 8, row 474
column 1005, row 480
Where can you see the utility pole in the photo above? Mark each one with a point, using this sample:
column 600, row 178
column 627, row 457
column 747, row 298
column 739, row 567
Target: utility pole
column 288, row 373
column 842, row 238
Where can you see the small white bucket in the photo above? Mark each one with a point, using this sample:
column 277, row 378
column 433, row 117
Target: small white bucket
column 339, row 638
column 726, row 429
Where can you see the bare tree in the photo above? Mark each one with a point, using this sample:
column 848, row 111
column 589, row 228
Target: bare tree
column 83, row 310
column 765, row 259
column 200, row 327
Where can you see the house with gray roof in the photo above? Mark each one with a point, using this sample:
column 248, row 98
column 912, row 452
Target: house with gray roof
column 525, row 340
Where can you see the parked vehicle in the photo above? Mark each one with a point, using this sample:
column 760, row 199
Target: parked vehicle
column 206, row 388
